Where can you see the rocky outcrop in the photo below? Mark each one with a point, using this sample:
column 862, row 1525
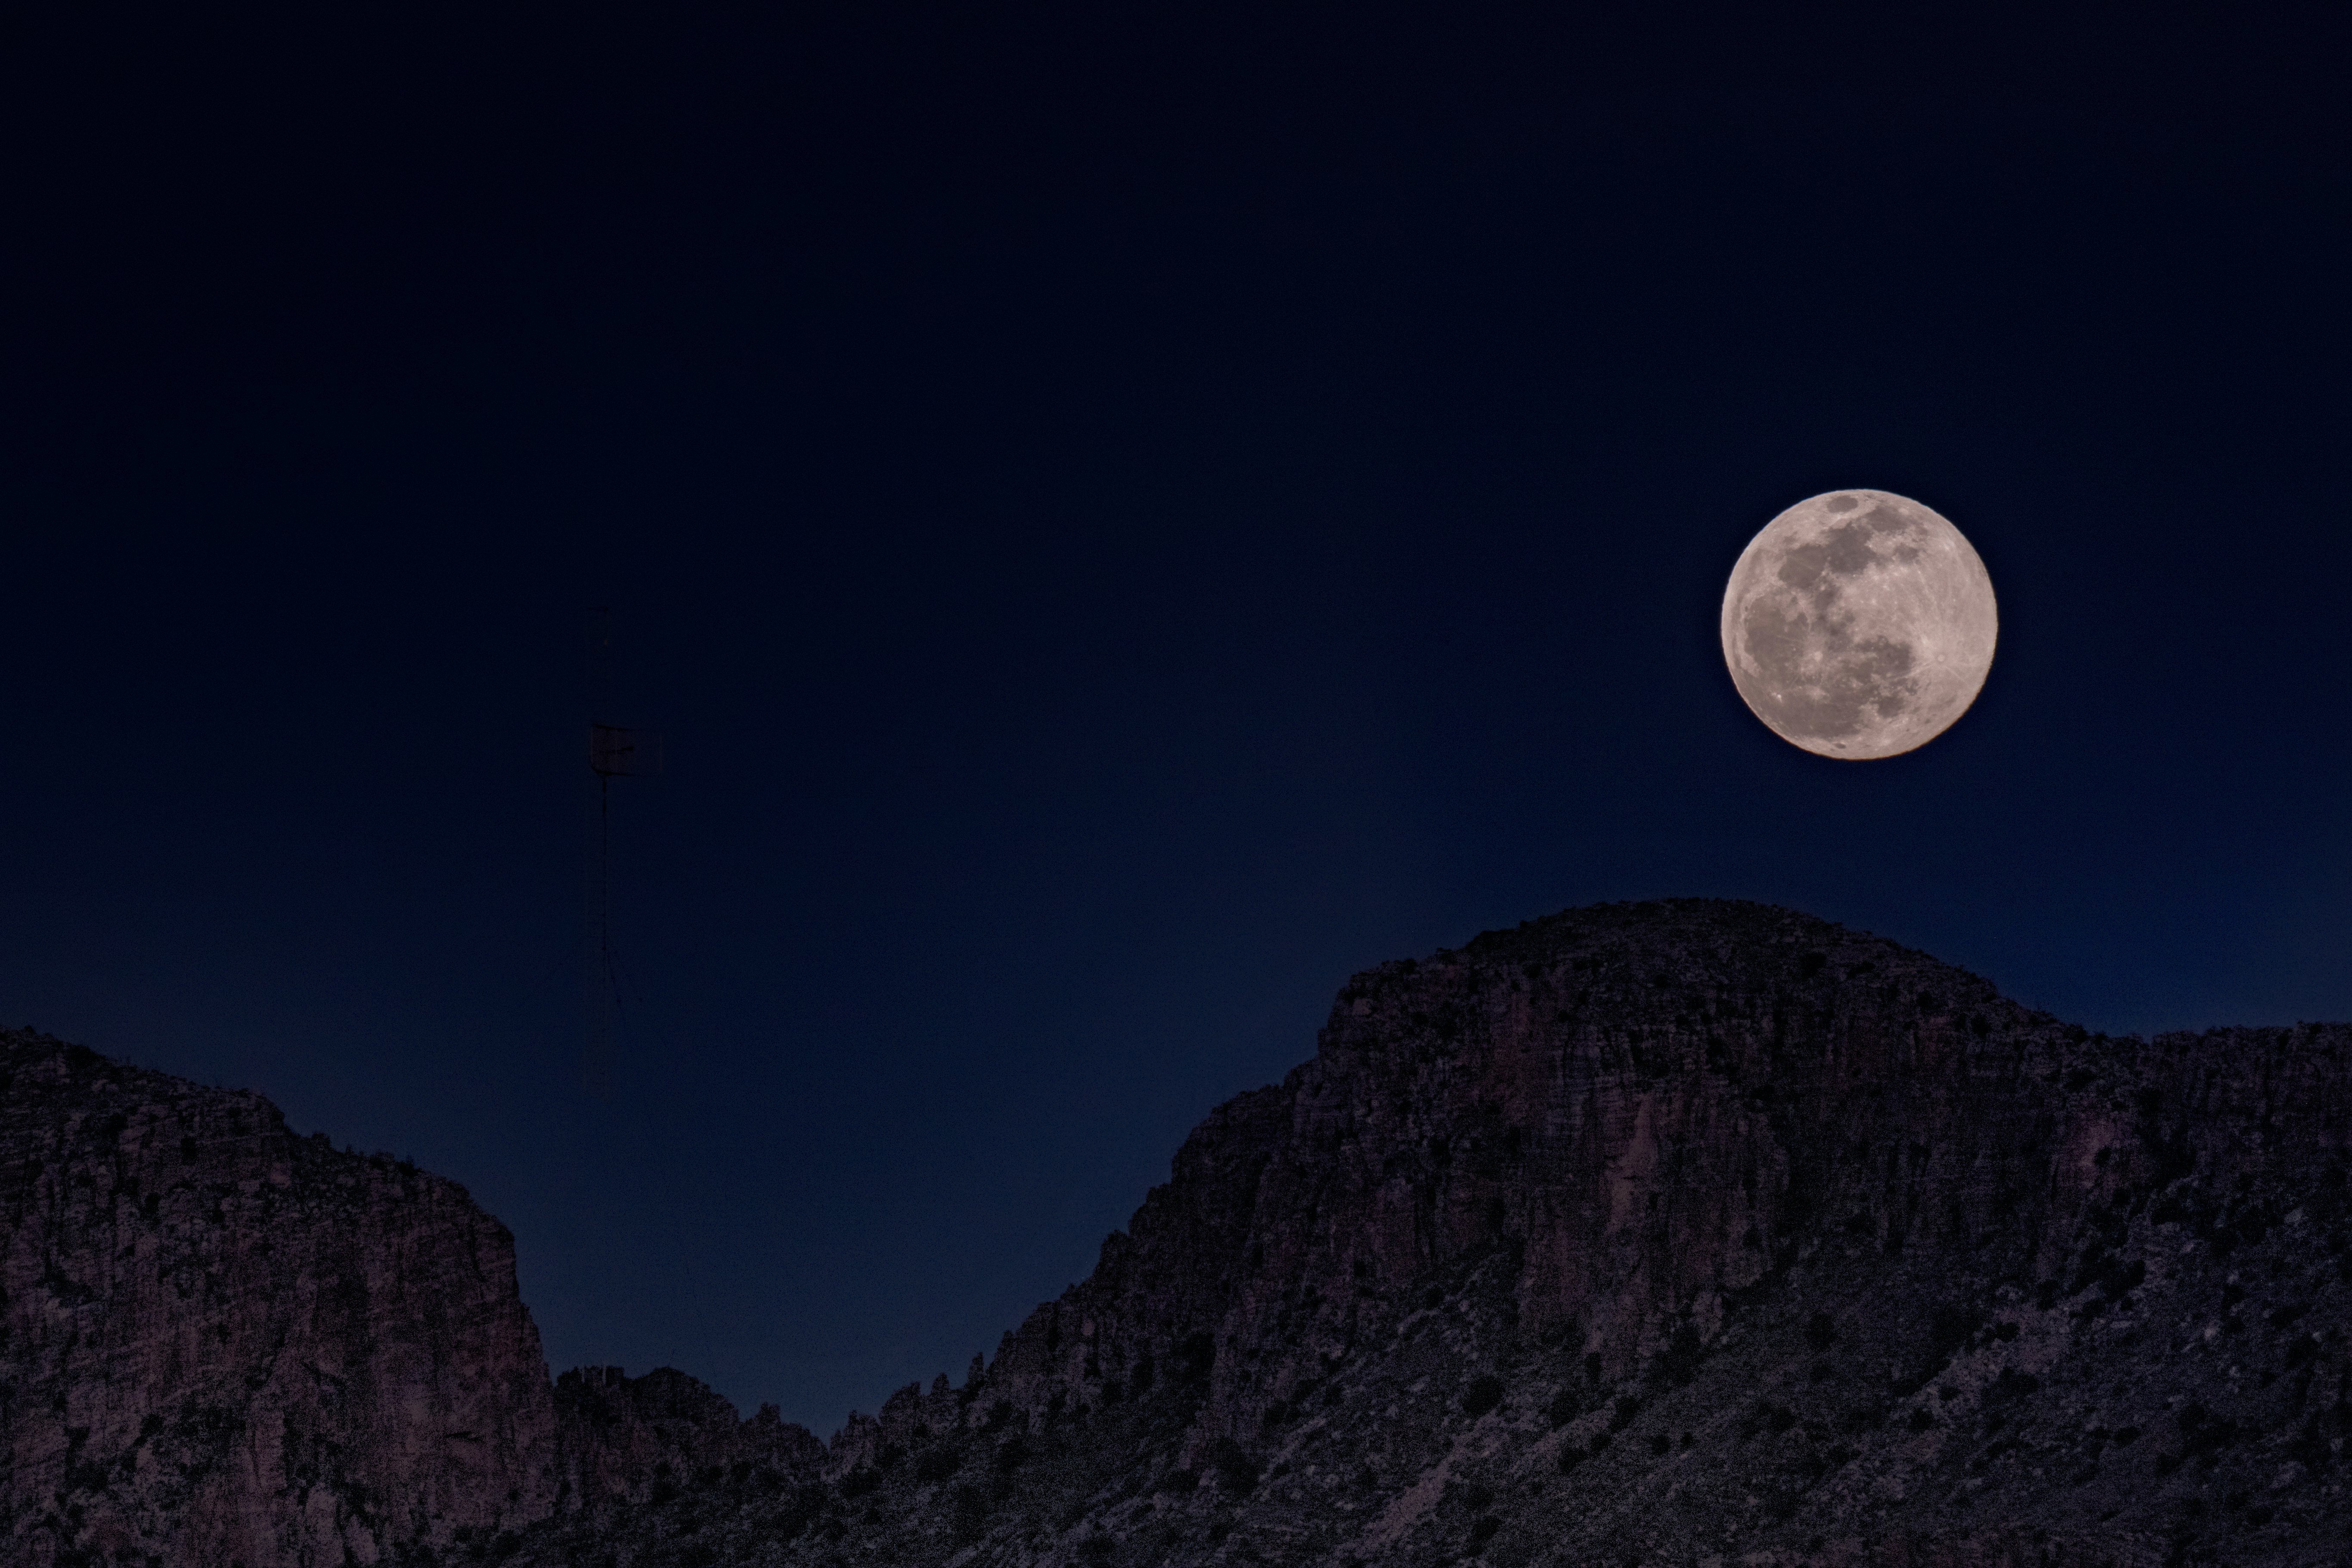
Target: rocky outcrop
column 1678, row 1233
column 222, row 1343
column 639, row 1439
column 1691, row 1233
column 1655, row 1109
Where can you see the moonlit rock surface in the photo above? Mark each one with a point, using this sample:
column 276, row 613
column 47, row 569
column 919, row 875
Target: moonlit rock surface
column 1859, row 624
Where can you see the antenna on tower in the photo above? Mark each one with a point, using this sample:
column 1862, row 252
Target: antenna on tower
column 614, row 750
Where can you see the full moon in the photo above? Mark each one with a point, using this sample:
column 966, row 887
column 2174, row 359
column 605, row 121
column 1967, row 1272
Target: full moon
column 1859, row 624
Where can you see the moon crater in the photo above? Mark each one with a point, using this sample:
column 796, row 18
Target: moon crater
column 1859, row 624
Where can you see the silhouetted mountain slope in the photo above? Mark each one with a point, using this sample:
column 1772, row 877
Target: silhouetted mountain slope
column 1672, row 1232
column 1678, row 1233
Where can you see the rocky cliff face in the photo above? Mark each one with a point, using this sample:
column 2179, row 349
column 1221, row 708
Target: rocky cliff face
column 1691, row 1233
column 1686, row 1233
column 221, row 1344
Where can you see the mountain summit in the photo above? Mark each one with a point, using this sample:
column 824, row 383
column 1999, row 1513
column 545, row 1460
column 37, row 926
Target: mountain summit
column 1689, row 1232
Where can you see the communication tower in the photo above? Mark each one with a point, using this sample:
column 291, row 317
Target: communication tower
column 614, row 750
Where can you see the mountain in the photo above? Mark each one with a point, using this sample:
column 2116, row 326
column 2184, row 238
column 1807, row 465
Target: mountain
column 1691, row 1233
column 220, row 1342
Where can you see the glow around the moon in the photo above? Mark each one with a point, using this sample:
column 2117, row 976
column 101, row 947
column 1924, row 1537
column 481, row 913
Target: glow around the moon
column 1859, row 624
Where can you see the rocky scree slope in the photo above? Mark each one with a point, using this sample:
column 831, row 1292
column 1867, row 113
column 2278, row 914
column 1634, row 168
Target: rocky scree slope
column 1689, row 1232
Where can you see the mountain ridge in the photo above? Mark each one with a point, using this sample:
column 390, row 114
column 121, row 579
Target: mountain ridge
column 1681, row 1231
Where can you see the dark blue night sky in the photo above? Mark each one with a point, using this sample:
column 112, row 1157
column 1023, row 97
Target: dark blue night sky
column 1123, row 516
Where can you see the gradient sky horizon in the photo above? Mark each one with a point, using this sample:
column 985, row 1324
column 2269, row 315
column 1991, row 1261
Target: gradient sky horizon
column 1121, row 522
